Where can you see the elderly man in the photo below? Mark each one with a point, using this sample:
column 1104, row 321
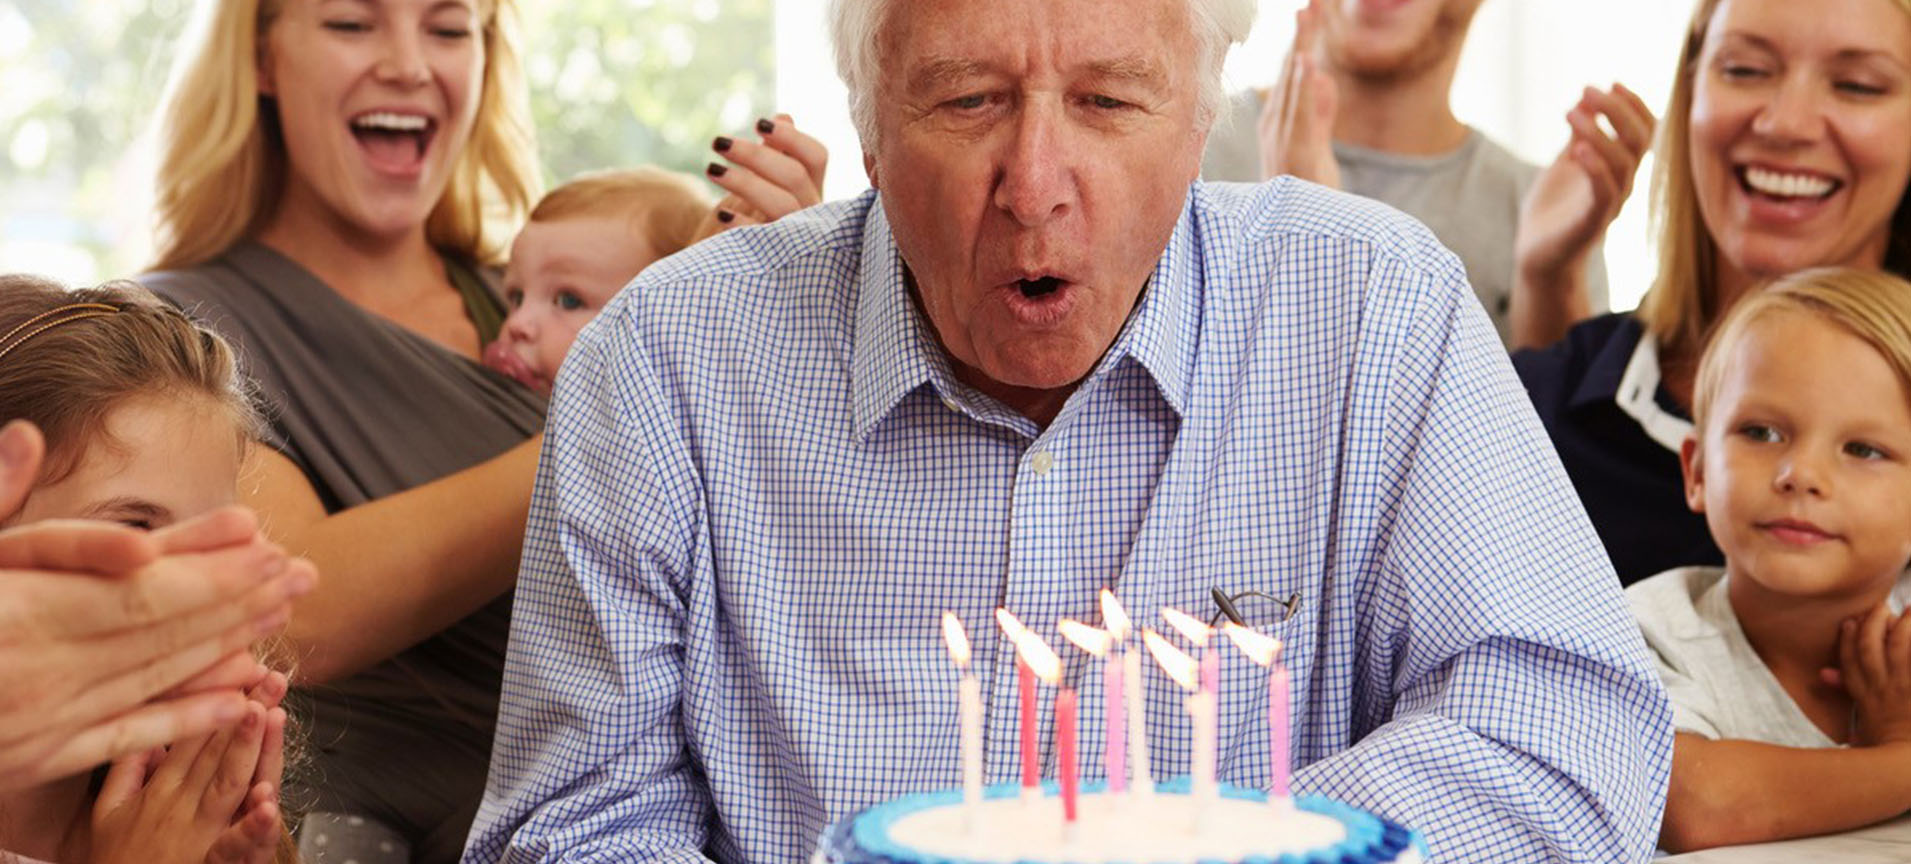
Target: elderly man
column 1039, row 360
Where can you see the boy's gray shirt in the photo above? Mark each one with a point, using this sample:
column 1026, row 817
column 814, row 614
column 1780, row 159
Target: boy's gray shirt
column 1719, row 687
column 1469, row 196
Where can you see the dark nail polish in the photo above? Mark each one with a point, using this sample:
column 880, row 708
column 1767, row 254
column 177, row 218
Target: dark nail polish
column 715, row 170
column 721, row 145
column 726, row 217
column 765, row 126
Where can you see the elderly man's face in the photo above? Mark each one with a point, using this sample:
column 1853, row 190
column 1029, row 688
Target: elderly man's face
column 1033, row 157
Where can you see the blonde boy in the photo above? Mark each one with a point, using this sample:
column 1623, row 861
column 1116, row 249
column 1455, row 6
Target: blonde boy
column 1789, row 669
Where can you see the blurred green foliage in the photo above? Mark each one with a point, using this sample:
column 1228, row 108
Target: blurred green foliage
column 613, row 83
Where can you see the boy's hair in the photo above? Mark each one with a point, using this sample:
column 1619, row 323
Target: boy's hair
column 670, row 207
column 1873, row 305
column 68, row 358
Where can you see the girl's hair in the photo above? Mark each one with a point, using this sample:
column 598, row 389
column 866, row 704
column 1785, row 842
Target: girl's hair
column 1871, row 305
column 1683, row 301
column 69, row 358
column 669, row 208
column 222, row 160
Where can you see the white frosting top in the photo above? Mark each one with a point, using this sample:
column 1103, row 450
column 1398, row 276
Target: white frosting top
column 1161, row 830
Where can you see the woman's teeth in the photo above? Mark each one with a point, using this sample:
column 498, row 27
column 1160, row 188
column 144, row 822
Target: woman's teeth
column 1780, row 185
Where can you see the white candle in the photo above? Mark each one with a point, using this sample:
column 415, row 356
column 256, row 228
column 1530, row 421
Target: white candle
column 1201, row 704
column 969, row 718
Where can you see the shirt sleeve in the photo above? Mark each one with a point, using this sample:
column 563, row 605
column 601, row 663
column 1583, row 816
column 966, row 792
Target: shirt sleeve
column 590, row 762
column 1505, row 705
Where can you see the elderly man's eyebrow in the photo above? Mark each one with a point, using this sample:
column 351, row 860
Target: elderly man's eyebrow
column 937, row 74
column 1136, row 69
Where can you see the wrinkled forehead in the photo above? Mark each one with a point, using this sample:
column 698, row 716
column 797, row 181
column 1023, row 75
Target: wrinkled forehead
column 939, row 38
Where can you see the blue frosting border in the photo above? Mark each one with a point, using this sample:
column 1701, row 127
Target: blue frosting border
column 864, row 837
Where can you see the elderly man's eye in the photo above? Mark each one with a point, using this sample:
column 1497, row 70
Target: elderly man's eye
column 1107, row 103
column 969, row 102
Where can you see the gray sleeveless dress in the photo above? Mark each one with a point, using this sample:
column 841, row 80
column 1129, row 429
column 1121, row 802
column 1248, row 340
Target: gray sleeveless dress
column 367, row 408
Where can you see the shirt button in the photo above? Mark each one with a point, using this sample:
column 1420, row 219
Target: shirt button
column 951, row 405
column 1041, row 462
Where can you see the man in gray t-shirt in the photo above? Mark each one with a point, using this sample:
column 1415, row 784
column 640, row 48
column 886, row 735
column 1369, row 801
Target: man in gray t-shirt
column 1364, row 105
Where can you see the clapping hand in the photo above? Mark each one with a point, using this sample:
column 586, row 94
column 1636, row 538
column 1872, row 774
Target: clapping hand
column 114, row 641
column 778, row 174
column 208, row 798
column 1296, row 129
column 1572, row 203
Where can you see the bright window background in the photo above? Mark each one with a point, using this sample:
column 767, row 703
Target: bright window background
column 620, row 82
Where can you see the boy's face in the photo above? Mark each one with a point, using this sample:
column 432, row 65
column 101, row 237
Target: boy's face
column 561, row 272
column 159, row 461
column 1804, row 475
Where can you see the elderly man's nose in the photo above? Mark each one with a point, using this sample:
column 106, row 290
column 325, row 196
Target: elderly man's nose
column 1036, row 181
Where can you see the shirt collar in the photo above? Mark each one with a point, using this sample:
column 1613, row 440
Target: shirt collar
column 894, row 352
column 1637, row 396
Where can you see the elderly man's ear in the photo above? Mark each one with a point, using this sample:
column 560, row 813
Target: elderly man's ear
column 869, row 169
column 21, row 449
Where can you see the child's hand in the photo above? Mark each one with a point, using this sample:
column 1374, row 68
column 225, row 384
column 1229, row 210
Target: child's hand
column 1874, row 656
column 258, row 826
column 171, row 807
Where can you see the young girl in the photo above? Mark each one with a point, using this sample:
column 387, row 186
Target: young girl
column 1789, row 668
column 145, row 422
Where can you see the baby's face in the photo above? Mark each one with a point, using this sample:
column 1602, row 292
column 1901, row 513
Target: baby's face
column 561, row 273
column 1804, row 475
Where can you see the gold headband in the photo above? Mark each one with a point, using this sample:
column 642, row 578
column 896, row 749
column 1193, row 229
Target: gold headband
column 48, row 320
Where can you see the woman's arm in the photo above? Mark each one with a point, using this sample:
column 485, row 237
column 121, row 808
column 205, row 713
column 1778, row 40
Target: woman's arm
column 1725, row 793
column 397, row 569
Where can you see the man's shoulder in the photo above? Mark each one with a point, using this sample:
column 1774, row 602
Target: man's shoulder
column 1288, row 210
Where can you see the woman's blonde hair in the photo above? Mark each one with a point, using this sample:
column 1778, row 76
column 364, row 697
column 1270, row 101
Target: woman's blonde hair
column 222, row 161
column 667, row 208
column 1872, row 305
column 1683, row 301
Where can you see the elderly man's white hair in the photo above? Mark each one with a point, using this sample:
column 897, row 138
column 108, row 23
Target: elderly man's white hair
column 855, row 26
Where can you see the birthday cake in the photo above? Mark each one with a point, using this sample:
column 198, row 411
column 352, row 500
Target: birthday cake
column 1240, row 827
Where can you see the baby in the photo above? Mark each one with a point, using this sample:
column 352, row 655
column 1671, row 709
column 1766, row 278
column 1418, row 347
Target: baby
column 584, row 242
column 1789, row 669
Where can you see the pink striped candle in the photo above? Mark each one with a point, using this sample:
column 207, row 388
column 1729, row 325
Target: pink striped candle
column 1065, row 752
column 1115, row 760
column 1277, row 729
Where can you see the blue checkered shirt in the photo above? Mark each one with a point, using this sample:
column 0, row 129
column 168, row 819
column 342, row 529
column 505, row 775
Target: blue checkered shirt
column 762, row 484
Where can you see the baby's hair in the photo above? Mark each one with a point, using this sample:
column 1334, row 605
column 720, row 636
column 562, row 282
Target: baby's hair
column 669, row 207
column 69, row 358
column 1873, row 305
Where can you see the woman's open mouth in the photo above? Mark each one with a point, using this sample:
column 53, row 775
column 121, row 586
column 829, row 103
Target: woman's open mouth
column 393, row 142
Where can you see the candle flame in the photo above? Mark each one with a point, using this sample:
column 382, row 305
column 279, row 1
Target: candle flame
column 1090, row 639
column 1259, row 647
column 1114, row 617
column 1187, row 625
column 1182, row 668
column 1040, row 658
column 1011, row 626
column 957, row 640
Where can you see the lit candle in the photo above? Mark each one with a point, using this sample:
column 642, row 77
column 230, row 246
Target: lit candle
column 1266, row 651
column 969, row 703
column 1098, row 643
column 1065, row 745
column 1025, row 689
column 1116, row 620
column 1203, row 637
column 1186, row 671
